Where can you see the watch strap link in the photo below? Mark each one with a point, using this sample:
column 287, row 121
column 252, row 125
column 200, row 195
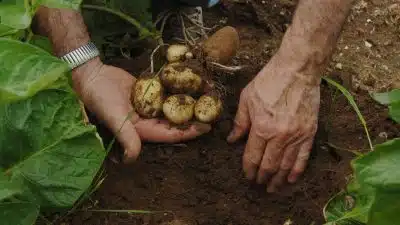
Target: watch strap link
column 81, row 55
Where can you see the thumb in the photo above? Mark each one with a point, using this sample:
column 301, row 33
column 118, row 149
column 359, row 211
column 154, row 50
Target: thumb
column 130, row 141
column 241, row 123
column 125, row 132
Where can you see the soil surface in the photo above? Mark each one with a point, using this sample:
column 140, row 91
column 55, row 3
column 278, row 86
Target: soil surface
column 201, row 182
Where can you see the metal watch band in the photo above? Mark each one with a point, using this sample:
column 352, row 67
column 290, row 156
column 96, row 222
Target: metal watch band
column 81, row 55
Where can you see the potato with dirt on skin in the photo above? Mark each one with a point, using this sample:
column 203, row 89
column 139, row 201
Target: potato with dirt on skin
column 222, row 46
column 148, row 96
column 183, row 77
column 208, row 108
column 179, row 109
column 177, row 52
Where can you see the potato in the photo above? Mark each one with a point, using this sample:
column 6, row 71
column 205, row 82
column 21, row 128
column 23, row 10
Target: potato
column 182, row 77
column 208, row 108
column 222, row 46
column 148, row 96
column 179, row 109
column 177, row 52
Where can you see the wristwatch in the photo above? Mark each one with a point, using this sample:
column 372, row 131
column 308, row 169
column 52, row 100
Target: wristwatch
column 81, row 55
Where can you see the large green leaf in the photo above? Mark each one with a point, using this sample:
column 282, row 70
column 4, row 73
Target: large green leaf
column 26, row 69
column 49, row 150
column 18, row 213
column 350, row 207
column 15, row 14
column 8, row 189
column 47, row 153
column 380, row 168
column 386, row 209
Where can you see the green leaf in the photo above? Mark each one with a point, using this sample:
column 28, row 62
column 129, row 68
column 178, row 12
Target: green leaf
column 386, row 208
column 72, row 4
column 15, row 14
column 8, row 189
column 18, row 213
column 46, row 150
column 6, row 31
column 26, row 69
column 49, row 149
column 387, row 98
column 41, row 42
column 394, row 111
column 350, row 207
column 380, row 168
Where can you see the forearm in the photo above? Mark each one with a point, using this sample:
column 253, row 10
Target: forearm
column 67, row 31
column 64, row 27
column 311, row 39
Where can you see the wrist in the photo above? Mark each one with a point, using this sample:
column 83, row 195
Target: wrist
column 85, row 72
column 306, row 55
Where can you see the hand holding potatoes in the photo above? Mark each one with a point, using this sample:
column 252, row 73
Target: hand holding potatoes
column 106, row 90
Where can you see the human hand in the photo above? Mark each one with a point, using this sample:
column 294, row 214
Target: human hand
column 106, row 91
column 279, row 108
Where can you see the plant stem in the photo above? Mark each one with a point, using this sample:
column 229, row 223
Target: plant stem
column 142, row 30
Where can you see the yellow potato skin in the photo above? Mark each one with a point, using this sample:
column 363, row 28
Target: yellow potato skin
column 179, row 108
column 178, row 78
column 208, row 108
column 176, row 53
column 148, row 97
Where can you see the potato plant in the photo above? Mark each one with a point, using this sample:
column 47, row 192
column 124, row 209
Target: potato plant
column 186, row 82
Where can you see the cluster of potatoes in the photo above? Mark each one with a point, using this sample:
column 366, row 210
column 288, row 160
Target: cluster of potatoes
column 183, row 89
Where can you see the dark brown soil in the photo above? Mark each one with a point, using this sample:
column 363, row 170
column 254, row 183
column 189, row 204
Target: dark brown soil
column 201, row 182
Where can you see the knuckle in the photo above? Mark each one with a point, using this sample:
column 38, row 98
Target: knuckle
column 269, row 168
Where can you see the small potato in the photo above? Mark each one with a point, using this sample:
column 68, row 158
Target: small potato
column 208, row 108
column 182, row 78
column 222, row 46
column 178, row 109
column 148, row 96
column 176, row 52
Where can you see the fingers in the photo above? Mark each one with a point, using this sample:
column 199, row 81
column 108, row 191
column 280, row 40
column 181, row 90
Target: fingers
column 253, row 154
column 271, row 159
column 301, row 161
column 130, row 141
column 154, row 130
column 242, row 122
column 277, row 180
column 288, row 160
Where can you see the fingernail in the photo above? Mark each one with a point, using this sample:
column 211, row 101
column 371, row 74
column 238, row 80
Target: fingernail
column 230, row 136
